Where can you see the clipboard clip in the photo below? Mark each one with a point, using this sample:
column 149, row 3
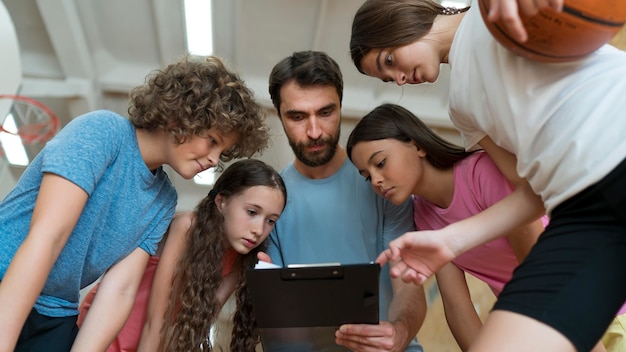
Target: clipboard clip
column 311, row 273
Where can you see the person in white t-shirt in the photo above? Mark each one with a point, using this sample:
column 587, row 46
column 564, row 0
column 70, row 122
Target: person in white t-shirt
column 556, row 130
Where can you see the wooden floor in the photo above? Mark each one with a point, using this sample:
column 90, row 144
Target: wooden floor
column 435, row 336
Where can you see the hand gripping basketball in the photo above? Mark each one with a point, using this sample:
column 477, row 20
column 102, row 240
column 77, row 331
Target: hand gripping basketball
column 554, row 33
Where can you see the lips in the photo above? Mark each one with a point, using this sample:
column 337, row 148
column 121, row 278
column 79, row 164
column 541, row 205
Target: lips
column 202, row 167
column 315, row 147
column 249, row 243
column 386, row 192
column 416, row 79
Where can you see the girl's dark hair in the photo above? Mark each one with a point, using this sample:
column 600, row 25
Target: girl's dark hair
column 193, row 305
column 393, row 121
column 195, row 94
column 382, row 24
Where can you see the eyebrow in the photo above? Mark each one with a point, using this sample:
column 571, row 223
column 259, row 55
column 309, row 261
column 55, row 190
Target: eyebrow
column 325, row 107
column 379, row 66
column 215, row 134
column 293, row 112
column 328, row 106
column 260, row 208
column 369, row 160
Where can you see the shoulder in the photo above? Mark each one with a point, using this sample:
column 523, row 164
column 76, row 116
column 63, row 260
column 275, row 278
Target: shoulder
column 178, row 228
column 96, row 137
column 475, row 169
column 477, row 164
column 101, row 117
column 480, row 176
column 106, row 124
column 478, row 169
column 182, row 222
column 288, row 171
column 292, row 177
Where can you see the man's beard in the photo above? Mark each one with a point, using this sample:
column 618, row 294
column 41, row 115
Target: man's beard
column 315, row 158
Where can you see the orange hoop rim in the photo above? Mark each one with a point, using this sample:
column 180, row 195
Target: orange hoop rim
column 37, row 103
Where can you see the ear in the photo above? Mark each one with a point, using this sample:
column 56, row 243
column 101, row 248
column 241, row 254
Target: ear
column 282, row 121
column 420, row 152
column 219, row 201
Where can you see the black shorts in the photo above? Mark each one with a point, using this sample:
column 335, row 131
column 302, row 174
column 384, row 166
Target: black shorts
column 43, row 333
column 574, row 278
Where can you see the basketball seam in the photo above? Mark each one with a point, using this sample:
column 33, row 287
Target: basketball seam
column 531, row 51
column 578, row 13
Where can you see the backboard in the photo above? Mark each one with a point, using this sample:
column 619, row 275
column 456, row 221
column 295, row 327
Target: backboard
column 10, row 63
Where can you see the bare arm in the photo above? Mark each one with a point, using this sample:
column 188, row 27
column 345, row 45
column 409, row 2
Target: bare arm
column 459, row 309
column 112, row 303
column 162, row 284
column 407, row 311
column 424, row 252
column 57, row 209
column 523, row 238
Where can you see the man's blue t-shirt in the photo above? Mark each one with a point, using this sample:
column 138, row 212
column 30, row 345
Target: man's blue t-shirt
column 339, row 219
column 128, row 207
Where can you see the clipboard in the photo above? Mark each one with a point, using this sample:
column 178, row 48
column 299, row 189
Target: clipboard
column 315, row 295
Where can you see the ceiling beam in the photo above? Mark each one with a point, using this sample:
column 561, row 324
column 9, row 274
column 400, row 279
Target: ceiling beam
column 320, row 26
column 67, row 36
column 169, row 20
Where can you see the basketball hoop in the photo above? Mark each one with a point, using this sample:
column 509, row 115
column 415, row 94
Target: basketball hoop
column 27, row 125
column 34, row 122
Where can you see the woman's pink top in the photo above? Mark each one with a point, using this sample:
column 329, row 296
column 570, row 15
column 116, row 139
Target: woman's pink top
column 478, row 184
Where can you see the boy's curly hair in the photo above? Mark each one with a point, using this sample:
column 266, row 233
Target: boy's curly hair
column 195, row 94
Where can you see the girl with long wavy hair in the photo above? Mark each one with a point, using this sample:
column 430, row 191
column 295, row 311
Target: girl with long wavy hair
column 202, row 260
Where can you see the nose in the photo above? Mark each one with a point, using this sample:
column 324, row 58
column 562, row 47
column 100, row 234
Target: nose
column 376, row 181
column 313, row 129
column 401, row 79
column 214, row 157
column 256, row 227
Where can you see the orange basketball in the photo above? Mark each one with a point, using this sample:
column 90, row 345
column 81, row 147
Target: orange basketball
column 582, row 27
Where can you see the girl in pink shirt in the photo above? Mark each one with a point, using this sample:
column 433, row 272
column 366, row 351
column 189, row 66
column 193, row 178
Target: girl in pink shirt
column 402, row 157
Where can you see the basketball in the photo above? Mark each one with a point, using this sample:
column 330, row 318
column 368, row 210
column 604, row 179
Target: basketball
column 582, row 27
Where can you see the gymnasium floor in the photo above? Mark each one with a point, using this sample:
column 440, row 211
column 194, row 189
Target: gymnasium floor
column 434, row 334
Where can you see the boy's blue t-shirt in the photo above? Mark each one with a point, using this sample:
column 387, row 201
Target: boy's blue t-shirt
column 128, row 206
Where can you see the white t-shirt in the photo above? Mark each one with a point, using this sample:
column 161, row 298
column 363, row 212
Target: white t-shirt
column 565, row 122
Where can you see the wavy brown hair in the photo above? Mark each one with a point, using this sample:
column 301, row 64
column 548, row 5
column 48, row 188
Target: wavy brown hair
column 380, row 24
column 195, row 94
column 193, row 306
column 391, row 121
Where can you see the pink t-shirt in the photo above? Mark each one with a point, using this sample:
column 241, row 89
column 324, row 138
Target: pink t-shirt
column 128, row 338
column 478, row 184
